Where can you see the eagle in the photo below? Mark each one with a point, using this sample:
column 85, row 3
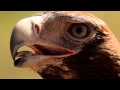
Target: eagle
column 66, row 45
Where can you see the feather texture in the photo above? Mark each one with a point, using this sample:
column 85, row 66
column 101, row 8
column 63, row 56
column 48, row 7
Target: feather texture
column 67, row 45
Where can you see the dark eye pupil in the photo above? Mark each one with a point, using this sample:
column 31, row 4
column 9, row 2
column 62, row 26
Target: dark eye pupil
column 79, row 30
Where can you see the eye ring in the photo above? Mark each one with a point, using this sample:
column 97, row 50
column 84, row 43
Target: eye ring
column 79, row 30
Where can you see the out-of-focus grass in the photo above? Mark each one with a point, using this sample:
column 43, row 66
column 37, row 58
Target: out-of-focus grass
column 8, row 19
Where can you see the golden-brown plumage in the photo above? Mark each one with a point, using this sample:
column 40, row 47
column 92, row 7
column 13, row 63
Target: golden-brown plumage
column 67, row 44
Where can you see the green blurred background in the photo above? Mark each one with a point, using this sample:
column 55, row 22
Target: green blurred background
column 8, row 19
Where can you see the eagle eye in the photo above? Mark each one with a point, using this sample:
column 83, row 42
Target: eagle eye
column 79, row 30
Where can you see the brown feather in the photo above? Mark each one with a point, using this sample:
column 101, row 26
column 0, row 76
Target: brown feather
column 97, row 55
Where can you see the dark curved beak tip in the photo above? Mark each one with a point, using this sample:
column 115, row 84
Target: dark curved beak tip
column 16, row 62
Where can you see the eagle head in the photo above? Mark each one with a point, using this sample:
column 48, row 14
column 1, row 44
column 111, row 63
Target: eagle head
column 67, row 45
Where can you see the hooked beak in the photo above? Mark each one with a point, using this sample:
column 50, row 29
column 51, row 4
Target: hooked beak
column 24, row 35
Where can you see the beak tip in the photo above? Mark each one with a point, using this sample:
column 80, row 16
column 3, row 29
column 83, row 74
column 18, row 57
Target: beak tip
column 21, row 34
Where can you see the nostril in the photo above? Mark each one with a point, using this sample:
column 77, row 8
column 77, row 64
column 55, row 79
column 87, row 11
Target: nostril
column 37, row 28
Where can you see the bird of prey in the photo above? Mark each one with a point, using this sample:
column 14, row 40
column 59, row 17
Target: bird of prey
column 67, row 45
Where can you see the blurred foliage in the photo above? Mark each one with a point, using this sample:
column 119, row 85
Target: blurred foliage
column 8, row 19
